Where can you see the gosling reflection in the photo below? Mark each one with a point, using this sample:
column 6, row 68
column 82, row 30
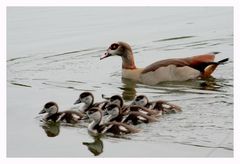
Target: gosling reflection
column 129, row 91
column 52, row 129
column 95, row 147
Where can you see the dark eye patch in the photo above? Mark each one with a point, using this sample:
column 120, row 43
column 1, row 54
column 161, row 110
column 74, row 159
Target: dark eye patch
column 115, row 97
column 49, row 104
column 91, row 112
column 111, row 106
column 114, row 46
column 109, row 109
column 139, row 98
column 84, row 94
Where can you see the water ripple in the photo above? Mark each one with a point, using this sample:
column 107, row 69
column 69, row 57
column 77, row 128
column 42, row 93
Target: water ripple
column 207, row 104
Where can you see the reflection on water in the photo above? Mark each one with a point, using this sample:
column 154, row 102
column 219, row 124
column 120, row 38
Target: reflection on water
column 196, row 86
column 128, row 88
column 95, row 147
column 52, row 129
column 210, row 84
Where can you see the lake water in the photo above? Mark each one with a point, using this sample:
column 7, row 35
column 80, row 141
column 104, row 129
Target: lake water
column 53, row 54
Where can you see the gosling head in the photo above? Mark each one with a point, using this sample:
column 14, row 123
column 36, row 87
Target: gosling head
column 50, row 108
column 140, row 100
column 117, row 99
column 94, row 114
column 85, row 97
column 113, row 110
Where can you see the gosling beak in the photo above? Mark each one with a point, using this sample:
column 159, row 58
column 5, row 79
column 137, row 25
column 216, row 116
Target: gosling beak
column 105, row 55
column 42, row 111
column 78, row 101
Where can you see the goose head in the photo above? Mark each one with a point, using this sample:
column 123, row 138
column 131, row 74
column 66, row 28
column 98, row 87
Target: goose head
column 121, row 49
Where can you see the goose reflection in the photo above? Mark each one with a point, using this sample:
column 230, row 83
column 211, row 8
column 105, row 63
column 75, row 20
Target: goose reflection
column 210, row 84
column 95, row 147
column 129, row 91
column 52, row 129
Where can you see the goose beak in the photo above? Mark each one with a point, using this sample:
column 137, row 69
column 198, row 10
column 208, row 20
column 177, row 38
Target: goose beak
column 42, row 111
column 78, row 101
column 105, row 55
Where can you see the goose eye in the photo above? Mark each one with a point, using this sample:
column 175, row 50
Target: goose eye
column 114, row 46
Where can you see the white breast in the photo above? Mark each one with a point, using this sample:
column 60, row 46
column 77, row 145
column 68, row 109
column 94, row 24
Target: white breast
column 169, row 73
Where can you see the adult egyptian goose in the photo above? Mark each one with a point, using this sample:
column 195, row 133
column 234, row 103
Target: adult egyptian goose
column 175, row 69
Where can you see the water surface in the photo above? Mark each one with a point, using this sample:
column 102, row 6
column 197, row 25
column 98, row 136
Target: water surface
column 53, row 55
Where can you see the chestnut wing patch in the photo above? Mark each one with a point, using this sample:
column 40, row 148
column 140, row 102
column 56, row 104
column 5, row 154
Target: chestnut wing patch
column 199, row 63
